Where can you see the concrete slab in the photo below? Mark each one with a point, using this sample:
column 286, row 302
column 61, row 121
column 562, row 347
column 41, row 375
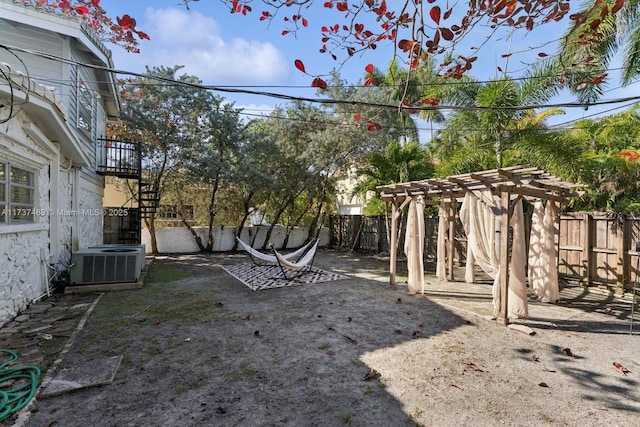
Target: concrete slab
column 82, row 375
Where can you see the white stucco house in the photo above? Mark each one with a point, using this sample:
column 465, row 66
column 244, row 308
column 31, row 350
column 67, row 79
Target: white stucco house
column 346, row 202
column 53, row 108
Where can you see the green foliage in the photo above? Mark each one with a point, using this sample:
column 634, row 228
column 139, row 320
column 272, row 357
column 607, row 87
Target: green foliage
column 399, row 163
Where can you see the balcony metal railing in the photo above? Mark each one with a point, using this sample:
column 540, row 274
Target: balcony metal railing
column 119, row 158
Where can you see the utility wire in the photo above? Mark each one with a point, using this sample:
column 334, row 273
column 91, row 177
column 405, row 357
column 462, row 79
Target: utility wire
column 322, row 101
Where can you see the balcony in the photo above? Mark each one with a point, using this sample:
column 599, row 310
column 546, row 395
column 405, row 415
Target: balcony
column 122, row 159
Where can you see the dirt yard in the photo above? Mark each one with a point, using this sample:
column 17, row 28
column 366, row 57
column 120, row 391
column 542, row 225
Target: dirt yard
column 201, row 349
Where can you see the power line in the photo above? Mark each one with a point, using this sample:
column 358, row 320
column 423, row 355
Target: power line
column 322, row 101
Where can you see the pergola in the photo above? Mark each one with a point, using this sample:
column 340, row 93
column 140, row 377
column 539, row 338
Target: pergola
column 509, row 184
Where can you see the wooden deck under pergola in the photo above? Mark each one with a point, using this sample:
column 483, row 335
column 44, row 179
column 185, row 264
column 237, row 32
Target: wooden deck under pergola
column 510, row 184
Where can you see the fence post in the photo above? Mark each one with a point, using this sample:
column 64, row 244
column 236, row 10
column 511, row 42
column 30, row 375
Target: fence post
column 586, row 248
column 621, row 262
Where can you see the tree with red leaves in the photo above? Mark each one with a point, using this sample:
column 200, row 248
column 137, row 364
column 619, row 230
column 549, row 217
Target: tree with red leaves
column 122, row 31
column 419, row 30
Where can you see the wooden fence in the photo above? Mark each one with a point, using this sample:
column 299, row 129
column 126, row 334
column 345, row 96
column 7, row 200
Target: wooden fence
column 595, row 249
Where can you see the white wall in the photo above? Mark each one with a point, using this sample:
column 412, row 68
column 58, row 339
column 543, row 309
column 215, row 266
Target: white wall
column 179, row 240
column 24, row 247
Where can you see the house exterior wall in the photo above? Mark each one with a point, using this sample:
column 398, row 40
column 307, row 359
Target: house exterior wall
column 43, row 137
column 24, row 248
column 346, row 203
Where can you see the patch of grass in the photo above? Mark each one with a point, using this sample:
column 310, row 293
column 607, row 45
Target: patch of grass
column 346, row 418
column 324, row 346
column 546, row 418
column 164, row 273
column 368, row 391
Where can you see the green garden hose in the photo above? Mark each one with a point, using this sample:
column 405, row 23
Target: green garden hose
column 21, row 384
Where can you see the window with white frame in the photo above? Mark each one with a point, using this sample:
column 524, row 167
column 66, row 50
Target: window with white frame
column 86, row 108
column 17, row 194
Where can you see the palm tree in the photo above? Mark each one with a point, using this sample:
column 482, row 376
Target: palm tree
column 399, row 163
column 492, row 119
column 586, row 51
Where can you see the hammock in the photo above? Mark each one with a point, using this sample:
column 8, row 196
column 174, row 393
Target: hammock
column 300, row 267
column 260, row 258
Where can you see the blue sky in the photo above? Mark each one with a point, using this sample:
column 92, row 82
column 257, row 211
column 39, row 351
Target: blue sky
column 226, row 49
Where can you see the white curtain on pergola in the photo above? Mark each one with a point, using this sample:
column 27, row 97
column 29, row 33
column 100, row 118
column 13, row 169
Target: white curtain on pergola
column 441, row 254
column 543, row 253
column 414, row 244
column 481, row 224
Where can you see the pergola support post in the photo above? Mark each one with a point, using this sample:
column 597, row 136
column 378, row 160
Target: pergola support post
column 505, row 250
column 393, row 243
column 451, row 217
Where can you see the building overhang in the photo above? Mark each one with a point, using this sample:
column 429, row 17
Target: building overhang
column 44, row 109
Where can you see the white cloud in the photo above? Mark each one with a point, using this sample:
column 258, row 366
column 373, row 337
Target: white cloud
column 194, row 41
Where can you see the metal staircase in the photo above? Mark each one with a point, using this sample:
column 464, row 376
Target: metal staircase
column 123, row 159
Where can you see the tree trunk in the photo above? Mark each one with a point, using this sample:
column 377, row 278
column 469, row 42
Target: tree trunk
column 195, row 235
column 282, row 208
column 245, row 203
column 151, row 226
column 212, row 214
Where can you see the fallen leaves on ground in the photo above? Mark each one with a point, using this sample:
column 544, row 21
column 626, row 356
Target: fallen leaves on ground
column 579, row 335
column 371, row 374
column 457, row 386
column 258, row 334
column 535, row 358
column 568, row 352
column 543, row 384
column 247, row 317
column 415, row 334
column 620, row 368
column 474, row 367
column 545, row 369
column 351, row 340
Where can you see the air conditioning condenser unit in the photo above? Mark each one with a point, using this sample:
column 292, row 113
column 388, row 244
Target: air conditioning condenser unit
column 105, row 265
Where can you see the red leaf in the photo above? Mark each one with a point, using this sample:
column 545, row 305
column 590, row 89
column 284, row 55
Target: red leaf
column 447, row 34
column 435, row 14
column 305, row 23
column 617, row 6
column 373, row 126
column 342, row 6
column 328, row 4
column 356, row 116
column 299, row 65
column 542, row 54
column 319, row 83
column 369, row 68
column 285, row 32
column 600, row 78
column 82, row 10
